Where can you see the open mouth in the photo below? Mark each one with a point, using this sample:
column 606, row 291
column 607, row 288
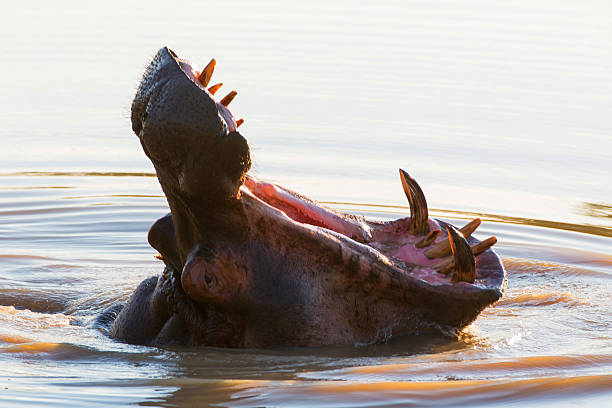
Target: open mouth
column 437, row 254
column 251, row 264
column 423, row 248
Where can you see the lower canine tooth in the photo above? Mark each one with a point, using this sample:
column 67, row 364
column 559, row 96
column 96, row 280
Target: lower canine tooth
column 443, row 248
column 447, row 264
column 419, row 213
column 465, row 264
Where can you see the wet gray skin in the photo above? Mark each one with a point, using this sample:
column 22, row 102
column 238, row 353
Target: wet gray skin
column 251, row 264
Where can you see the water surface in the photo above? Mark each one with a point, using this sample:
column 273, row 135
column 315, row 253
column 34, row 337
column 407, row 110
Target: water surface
column 501, row 112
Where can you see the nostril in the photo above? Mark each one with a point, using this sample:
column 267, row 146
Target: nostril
column 139, row 112
column 136, row 126
column 208, row 279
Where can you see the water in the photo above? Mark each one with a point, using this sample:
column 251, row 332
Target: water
column 500, row 111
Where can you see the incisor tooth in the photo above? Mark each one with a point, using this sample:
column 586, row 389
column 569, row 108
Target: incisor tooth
column 445, row 266
column 228, row 98
column 443, row 248
column 207, row 72
column 213, row 89
column 480, row 247
column 428, row 239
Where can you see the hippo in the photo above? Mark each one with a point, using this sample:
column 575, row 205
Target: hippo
column 249, row 263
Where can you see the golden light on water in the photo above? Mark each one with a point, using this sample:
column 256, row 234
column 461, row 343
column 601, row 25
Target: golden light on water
column 500, row 110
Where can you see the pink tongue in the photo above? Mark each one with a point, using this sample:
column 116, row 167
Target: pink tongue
column 411, row 254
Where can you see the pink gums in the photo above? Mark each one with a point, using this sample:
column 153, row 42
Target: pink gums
column 305, row 211
column 391, row 240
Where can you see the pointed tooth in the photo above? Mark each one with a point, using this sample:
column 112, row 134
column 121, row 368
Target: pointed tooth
column 419, row 214
column 439, row 250
column 443, row 248
column 470, row 227
column 213, row 89
column 207, row 72
column 445, row 266
column 228, row 98
column 428, row 239
column 480, row 247
column 239, row 122
column 465, row 264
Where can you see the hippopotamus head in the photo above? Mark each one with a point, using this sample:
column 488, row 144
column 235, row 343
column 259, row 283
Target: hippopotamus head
column 250, row 263
column 199, row 157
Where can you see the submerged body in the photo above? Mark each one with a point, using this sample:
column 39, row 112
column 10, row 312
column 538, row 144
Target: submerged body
column 251, row 264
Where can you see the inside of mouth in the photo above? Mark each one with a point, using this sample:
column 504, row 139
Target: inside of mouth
column 395, row 245
column 399, row 249
column 303, row 210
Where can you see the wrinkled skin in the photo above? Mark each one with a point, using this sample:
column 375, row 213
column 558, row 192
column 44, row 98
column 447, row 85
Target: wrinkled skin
column 251, row 264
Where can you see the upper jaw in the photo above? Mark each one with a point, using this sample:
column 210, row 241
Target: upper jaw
column 201, row 80
column 200, row 162
column 182, row 128
column 169, row 95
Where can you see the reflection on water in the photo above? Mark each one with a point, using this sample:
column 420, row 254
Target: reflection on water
column 593, row 210
column 78, row 174
column 597, row 210
column 500, row 111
